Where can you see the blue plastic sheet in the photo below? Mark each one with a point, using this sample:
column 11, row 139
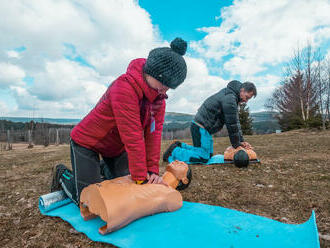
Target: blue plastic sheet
column 197, row 225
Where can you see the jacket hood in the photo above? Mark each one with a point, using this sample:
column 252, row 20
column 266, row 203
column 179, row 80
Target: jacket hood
column 135, row 71
column 235, row 87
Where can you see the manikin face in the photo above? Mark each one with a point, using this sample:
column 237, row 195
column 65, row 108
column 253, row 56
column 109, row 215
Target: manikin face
column 245, row 96
column 155, row 84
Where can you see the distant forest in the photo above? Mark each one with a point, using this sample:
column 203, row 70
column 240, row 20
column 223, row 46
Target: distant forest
column 176, row 126
column 10, row 125
column 33, row 133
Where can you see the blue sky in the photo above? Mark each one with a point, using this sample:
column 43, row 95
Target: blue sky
column 58, row 57
column 183, row 18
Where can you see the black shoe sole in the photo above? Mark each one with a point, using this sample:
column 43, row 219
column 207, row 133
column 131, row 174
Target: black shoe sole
column 57, row 171
column 169, row 150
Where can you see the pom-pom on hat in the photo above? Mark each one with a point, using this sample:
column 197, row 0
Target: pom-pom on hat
column 167, row 64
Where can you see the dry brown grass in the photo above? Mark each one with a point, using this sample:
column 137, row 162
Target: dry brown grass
column 293, row 179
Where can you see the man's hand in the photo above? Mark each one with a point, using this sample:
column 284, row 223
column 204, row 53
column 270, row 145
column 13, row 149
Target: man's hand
column 246, row 145
column 154, row 178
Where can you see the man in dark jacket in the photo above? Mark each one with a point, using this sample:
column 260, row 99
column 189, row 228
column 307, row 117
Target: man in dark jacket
column 217, row 110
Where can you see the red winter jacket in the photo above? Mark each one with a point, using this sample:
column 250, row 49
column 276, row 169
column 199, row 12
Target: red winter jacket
column 121, row 120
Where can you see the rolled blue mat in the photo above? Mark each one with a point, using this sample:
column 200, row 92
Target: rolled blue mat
column 197, row 225
column 53, row 200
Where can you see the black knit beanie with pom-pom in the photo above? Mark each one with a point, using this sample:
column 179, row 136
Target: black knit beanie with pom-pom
column 167, row 64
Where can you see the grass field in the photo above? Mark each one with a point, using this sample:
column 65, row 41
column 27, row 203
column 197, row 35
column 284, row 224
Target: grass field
column 293, row 179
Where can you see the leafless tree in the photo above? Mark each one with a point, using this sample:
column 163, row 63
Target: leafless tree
column 9, row 141
column 320, row 82
column 295, row 67
column 30, row 139
column 327, row 88
column 298, row 98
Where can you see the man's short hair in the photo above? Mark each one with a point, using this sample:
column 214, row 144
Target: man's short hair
column 248, row 87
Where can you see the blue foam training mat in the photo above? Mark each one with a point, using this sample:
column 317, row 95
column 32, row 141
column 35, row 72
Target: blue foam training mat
column 219, row 159
column 196, row 225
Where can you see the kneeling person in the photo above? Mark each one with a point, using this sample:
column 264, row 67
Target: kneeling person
column 216, row 111
column 125, row 127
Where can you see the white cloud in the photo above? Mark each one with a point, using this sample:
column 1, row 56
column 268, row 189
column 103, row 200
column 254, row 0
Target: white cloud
column 265, row 86
column 13, row 54
column 261, row 33
column 107, row 34
column 30, row 105
column 101, row 33
column 24, row 100
column 243, row 66
column 64, row 79
column 3, row 108
column 198, row 85
column 10, row 75
column 327, row 56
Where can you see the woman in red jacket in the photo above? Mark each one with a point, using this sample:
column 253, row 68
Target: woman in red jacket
column 125, row 126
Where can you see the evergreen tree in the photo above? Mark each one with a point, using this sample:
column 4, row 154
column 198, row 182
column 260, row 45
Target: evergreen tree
column 245, row 119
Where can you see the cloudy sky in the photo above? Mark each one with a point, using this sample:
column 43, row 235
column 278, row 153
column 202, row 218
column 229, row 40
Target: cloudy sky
column 57, row 57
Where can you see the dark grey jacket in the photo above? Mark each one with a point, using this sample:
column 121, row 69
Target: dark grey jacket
column 222, row 108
